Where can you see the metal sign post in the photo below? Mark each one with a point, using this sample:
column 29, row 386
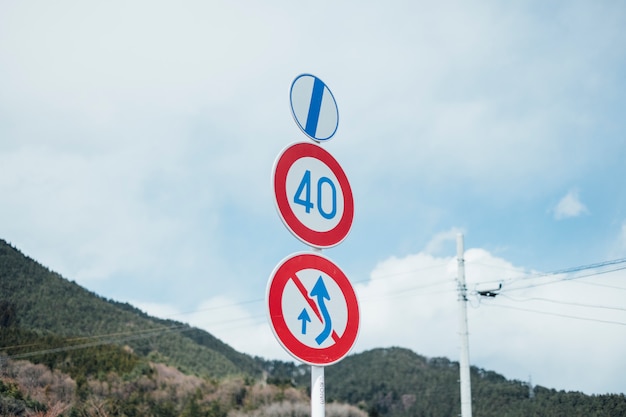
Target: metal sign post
column 318, row 393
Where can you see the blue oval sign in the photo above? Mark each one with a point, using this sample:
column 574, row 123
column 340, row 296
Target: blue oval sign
column 313, row 107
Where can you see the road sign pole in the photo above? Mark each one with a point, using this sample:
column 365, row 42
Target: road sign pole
column 318, row 390
column 314, row 201
column 318, row 395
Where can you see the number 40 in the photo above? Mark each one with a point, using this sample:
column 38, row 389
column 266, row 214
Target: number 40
column 305, row 188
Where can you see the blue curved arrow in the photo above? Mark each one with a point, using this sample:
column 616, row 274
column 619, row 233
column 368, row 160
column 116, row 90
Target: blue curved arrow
column 319, row 290
column 304, row 316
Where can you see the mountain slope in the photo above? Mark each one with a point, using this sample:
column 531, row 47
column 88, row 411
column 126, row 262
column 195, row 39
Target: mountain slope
column 36, row 299
column 397, row 382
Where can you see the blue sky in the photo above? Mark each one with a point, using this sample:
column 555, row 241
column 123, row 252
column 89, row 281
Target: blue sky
column 138, row 139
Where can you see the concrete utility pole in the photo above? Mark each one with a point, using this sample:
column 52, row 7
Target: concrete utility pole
column 464, row 365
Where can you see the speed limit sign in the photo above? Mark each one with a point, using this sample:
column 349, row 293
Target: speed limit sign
column 312, row 195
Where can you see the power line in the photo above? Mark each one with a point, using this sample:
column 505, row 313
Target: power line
column 117, row 337
column 557, row 314
column 562, row 271
column 548, row 300
column 597, row 284
column 220, row 307
column 567, row 278
column 112, row 338
column 411, row 271
column 259, row 300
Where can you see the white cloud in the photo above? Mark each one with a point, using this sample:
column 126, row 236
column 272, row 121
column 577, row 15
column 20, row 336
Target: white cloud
column 160, row 310
column 436, row 244
column 247, row 330
column 621, row 248
column 617, row 246
column 412, row 302
column 244, row 330
column 570, row 206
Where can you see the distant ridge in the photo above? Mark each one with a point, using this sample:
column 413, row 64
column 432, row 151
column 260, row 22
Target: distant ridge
column 43, row 301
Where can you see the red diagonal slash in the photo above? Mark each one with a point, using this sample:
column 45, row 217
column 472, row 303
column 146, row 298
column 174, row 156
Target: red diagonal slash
column 312, row 304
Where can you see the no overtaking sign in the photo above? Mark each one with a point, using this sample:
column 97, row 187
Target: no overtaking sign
column 312, row 308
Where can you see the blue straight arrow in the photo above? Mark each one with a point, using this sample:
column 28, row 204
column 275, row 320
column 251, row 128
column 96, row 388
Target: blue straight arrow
column 304, row 316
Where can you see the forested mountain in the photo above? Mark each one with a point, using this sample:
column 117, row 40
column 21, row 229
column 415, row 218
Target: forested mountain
column 396, row 382
column 65, row 351
column 401, row 383
column 34, row 298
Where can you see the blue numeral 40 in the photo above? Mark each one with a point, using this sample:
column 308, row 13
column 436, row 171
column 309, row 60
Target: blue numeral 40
column 303, row 195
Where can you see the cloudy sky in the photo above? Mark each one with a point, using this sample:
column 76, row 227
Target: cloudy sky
column 137, row 141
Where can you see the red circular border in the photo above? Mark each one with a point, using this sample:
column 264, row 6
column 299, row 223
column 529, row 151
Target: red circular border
column 312, row 237
column 276, row 285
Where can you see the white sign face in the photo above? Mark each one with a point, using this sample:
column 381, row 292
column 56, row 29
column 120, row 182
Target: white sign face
column 314, row 107
column 314, row 323
column 317, row 195
column 313, row 196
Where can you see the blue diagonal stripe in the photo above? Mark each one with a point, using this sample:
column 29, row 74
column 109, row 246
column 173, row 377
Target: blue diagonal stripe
column 314, row 107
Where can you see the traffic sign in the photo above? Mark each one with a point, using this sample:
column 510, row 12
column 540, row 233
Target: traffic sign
column 312, row 309
column 312, row 195
column 314, row 107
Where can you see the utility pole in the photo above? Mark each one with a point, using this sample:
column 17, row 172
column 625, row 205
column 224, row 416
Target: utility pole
column 531, row 389
column 464, row 365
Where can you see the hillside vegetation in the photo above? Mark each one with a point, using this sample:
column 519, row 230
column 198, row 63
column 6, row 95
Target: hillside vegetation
column 65, row 351
column 37, row 299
